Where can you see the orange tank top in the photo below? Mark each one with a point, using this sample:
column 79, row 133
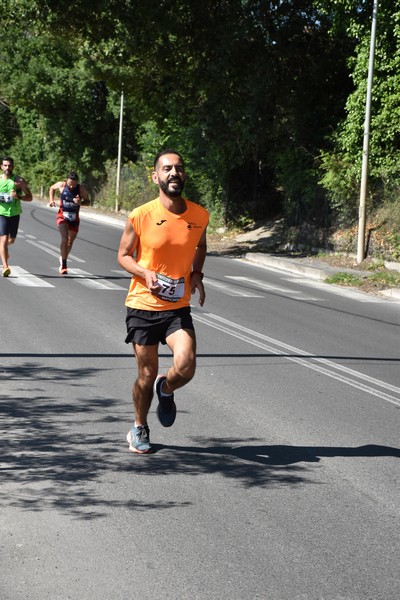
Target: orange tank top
column 167, row 245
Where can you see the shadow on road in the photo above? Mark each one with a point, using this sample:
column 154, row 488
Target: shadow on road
column 62, row 447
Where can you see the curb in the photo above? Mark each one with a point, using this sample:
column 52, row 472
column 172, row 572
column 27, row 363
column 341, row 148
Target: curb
column 391, row 293
column 319, row 273
column 93, row 216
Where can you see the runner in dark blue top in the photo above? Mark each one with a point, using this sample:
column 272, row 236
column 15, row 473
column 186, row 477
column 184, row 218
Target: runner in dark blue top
column 72, row 196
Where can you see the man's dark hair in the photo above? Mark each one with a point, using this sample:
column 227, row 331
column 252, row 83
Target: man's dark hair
column 8, row 159
column 166, row 151
column 72, row 175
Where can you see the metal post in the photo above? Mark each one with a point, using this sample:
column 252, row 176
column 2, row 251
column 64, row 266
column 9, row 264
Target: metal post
column 121, row 114
column 364, row 170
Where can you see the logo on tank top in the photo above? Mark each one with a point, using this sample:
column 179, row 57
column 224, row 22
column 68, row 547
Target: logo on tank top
column 193, row 226
column 161, row 222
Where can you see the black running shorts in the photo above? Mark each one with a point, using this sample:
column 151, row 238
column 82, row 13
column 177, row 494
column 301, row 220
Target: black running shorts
column 9, row 226
column 150, row 327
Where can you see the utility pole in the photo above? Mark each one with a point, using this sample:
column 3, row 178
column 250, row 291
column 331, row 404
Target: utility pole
column 367, row 122
column 121, row 115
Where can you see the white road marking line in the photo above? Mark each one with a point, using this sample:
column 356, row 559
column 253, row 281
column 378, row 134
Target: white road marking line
column 57, row 254
column 275, row 288
column 23, row 278
column 53, row 250
column 339, row 291
column 230, row 290
column 263, row 285
column 307, row 299
column 93, row 281
column 122, row 272
column 354, row 379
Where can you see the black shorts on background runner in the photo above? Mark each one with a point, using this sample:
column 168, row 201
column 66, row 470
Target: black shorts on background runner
column 9, row 226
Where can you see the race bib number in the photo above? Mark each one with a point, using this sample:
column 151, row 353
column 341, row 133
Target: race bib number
column 6, row 198
column 69, row 216
column 171, row 290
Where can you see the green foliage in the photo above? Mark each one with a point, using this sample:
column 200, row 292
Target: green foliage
column 386, row 279
column 202, row 184
column 265, row 100
column 388, row 215
column 135, row 188
column 61, row 115
column 341, row 166
column 346, row 279
column 302, row 198
column 381, row 280
column 341, row 179
column 376, row 264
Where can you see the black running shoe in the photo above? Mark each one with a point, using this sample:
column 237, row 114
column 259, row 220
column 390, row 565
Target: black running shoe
column 166, row 409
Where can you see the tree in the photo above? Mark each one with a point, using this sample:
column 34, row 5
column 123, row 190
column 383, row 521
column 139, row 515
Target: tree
column 250, row 91
column 341, row 166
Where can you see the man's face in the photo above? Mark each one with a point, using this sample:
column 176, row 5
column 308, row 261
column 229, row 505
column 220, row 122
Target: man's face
column 7, row 167
column 170, row 175
column 71, row 183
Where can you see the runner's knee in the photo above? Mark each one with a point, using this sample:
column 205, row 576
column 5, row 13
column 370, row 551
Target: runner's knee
column 147, row 376
column 185, row 367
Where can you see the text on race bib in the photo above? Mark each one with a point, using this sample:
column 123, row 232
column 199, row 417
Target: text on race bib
column 171, row 290
column 69, row 216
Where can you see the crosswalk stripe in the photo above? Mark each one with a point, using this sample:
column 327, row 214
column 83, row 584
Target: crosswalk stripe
column 122, row 272
column 229, row 290
column 23, row 278
column 53, row 250
column 93, row 281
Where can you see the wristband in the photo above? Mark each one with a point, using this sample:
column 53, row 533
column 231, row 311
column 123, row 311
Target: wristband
column 198, row 272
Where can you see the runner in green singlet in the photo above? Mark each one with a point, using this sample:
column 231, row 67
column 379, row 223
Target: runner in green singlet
column 13, row 189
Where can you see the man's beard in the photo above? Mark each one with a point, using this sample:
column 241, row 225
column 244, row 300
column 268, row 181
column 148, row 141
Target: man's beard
column 174, row 193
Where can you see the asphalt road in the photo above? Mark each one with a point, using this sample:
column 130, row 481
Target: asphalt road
column 279, row 479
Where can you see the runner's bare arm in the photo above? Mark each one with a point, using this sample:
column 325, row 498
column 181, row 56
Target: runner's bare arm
column 201, row 252
column 22, row 185
column 84, row 195
column 127, row 247
column 196, row 279
column 56, row 186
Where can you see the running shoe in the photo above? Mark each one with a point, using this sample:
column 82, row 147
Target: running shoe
column 63, row 267
column 6, row 272
column 139, row 439
column 166, row 409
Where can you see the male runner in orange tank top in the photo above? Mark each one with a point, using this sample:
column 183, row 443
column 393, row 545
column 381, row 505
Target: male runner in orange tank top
column 168, row 238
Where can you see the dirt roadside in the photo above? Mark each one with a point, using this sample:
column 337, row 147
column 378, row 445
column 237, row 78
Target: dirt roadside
column 370, row 276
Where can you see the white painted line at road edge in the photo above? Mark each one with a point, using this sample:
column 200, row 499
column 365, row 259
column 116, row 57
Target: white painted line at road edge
column 336, row 289
column 275, row 289
column 355, row 378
